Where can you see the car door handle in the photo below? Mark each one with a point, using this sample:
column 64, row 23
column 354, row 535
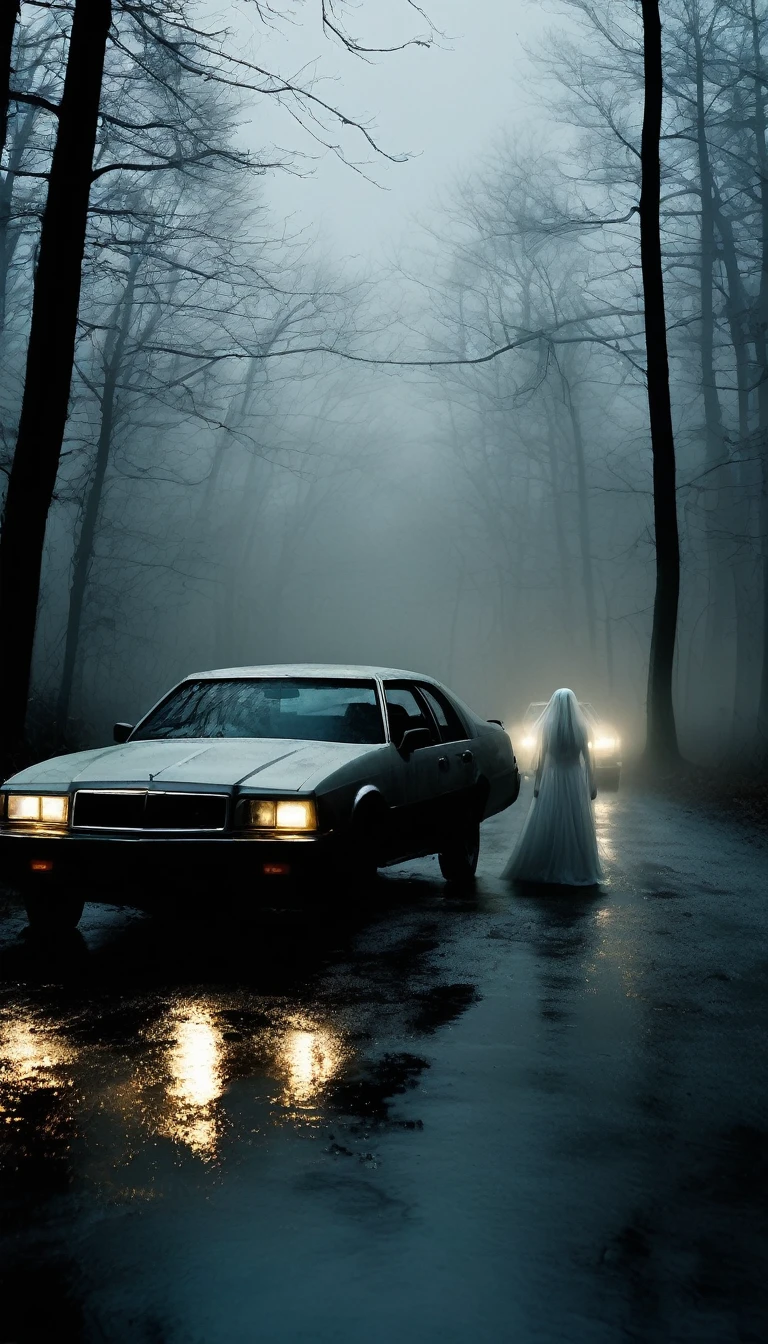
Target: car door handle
column 466, row 757
column 443, row 763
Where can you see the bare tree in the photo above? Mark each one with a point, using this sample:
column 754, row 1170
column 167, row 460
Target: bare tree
column 50, row 355
column 51, row 346
column 662, row 733
column 8, row 19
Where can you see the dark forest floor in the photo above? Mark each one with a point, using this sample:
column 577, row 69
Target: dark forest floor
column 734, row 789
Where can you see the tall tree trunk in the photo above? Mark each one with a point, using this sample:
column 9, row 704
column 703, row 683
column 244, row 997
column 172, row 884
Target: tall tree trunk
column 715, row 449
column 50, row 356
column 9, row 14
column 713, row 420
column 236, row 413
column 736, row 310
column 661, row 746
column 761, row 351
column 585, row 532
column 9, row 237
column 744, row 484
column 85, row 543
column 558, row 516
column 231, row 624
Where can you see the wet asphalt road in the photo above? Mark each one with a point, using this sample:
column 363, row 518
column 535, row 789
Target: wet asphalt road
column 496, row 1116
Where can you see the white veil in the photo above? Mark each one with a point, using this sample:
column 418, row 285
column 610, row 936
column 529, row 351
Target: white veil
column 562, row 728
column 558, row 842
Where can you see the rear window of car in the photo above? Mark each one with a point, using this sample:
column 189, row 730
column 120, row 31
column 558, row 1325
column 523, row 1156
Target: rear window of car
column 450, row 725
column 307, row 710
column 405, row 711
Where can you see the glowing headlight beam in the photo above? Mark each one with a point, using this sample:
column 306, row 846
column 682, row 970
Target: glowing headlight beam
column 283, row 814
column 52, row 809
column 263, row 814
column 296, row 816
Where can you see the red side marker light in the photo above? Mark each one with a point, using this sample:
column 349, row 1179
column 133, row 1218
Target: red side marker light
column 276, row 869
column 41, row 865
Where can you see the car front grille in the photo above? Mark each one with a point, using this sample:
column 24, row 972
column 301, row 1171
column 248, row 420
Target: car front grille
column 148, row 810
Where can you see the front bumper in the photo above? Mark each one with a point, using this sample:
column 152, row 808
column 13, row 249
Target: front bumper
column 112, row 867
column 608, row 762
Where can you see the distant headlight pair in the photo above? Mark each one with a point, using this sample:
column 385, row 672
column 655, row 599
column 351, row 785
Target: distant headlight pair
column 51, row 809
column 282, row 814
column 604, row 744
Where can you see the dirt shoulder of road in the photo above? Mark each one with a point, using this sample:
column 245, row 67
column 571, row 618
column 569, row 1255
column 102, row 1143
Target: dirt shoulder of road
column 735, row 791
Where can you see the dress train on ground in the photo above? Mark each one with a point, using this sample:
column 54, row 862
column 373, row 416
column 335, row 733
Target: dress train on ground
column 558, row 842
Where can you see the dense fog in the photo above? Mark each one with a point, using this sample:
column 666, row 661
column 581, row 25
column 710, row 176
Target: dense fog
column 234, row 489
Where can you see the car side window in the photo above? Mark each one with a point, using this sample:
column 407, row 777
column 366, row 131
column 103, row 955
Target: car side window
column 404, row 711
column 451, row 727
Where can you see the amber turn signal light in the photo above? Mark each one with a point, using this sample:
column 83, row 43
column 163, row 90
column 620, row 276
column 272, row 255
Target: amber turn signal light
column 41, row 865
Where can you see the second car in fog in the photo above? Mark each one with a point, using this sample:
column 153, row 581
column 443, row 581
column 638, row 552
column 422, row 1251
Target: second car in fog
column 604, row 743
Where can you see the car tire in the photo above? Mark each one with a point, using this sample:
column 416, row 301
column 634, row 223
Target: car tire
column 359, row 863
column 458, row 858
column 56, row 911
column 356, row 868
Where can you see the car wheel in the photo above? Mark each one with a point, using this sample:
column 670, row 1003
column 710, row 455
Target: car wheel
column 458, row 858
column 359, row 862
column 53, row 911
column 356, row 867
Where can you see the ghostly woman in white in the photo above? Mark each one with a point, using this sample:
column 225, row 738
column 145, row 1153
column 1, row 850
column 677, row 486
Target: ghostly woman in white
column 558, row 843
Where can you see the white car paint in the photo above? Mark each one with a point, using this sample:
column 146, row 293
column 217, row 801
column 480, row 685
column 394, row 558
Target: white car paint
column 268, row 763
column 335, row 770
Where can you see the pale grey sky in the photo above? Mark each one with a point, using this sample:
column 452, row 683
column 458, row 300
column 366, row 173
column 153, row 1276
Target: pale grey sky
column 444, row 105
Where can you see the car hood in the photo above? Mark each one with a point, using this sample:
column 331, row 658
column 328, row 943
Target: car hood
column 220, row 762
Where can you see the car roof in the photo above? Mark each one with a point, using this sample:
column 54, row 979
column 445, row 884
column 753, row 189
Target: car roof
column 343, row 671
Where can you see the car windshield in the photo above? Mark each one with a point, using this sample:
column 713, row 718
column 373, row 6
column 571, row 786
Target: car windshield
column 308, row 710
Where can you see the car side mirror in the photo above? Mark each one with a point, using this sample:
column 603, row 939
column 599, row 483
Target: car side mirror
column 414, row 739
column 122, row 731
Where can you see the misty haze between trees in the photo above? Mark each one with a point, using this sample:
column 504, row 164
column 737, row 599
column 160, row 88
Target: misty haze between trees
column 219, row 447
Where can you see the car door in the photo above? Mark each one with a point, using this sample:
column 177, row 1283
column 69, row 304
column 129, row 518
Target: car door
column 418, row 775
column 459, row 767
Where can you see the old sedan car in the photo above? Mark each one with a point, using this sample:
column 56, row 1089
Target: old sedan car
column 604, row 743
column 258, row 773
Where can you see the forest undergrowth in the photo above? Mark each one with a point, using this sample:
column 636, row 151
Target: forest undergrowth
column 738, row 789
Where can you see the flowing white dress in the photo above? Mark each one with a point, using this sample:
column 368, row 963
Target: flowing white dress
column 558, row 843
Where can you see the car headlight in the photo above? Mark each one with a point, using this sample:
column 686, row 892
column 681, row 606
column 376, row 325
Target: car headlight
column 605, row 744
column 528, row 742
column 283, row 814
column 51, row 809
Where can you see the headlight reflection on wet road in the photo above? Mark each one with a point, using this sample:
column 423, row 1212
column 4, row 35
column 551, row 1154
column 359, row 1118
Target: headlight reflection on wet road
column 37, row 1099
column 27, row 1048
column 605, row 822
column 195, row 1079
column 196, row 1064
column 174, row 1086
column 310, row 1058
